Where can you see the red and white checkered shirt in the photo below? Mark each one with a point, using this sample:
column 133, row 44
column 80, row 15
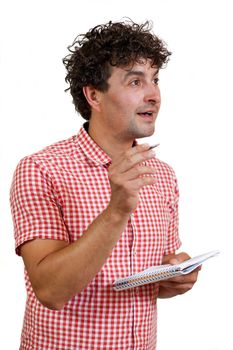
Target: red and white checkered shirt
column 56, row 193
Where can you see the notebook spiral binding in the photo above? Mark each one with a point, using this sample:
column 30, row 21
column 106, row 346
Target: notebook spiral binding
column 127, row 283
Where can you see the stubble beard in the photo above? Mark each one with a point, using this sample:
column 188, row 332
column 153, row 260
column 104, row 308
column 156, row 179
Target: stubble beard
column 140, row 131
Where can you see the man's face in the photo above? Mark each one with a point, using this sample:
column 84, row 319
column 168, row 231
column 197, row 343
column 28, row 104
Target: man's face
column 130, row 106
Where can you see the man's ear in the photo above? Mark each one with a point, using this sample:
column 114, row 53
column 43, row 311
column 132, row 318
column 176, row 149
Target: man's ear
column 92, row 97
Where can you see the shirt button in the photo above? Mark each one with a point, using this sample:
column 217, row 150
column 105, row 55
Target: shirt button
column 134, row 253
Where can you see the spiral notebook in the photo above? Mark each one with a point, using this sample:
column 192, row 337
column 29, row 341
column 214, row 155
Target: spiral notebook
column 162, row 272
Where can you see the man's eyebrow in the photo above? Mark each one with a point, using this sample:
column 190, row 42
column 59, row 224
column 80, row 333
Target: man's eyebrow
column 137, row 72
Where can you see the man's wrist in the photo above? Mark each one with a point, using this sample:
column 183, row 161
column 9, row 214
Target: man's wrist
column 116, row 216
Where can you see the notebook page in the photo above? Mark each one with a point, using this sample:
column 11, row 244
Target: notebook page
column 197, row 260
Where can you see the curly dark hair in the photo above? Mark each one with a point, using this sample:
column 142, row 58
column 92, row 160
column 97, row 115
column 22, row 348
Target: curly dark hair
column 113, row 44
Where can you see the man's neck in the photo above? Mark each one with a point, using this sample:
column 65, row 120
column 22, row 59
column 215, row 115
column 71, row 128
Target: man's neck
column 112, row 146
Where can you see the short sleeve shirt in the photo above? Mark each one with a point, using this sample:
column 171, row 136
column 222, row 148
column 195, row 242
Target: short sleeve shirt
column 56, row 193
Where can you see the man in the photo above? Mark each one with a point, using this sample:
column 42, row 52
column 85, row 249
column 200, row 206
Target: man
column 99, row 206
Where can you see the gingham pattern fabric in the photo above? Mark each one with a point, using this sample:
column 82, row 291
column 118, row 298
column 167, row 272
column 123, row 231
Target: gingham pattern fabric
column 55, row 194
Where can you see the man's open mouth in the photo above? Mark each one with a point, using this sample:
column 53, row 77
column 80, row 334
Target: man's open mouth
column 146, row 114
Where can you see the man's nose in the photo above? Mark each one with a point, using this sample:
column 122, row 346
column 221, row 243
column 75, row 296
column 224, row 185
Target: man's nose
column 152, row 93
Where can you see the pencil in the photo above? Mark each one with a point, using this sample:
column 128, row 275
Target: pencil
column 153, row 146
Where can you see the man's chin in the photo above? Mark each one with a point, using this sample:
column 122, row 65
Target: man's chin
column 146, row 132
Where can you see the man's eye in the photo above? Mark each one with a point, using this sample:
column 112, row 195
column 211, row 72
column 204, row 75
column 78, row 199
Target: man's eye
column 135, row 82
column 156, row 81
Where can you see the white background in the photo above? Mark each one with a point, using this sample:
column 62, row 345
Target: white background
column 194, row 130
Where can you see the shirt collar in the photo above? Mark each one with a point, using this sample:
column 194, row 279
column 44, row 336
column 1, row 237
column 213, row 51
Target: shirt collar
column 92, row 151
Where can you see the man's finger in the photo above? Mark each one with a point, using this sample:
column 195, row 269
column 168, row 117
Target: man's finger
column 140, row 171
column 189, row 278
column 131, row 158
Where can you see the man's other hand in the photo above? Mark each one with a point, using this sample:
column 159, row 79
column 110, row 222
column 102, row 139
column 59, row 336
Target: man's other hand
column 177, row 285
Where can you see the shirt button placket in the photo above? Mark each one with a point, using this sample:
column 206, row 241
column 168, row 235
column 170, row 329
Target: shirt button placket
column 134, row 290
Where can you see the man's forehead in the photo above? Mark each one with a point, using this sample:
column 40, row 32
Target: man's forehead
column 140, row 66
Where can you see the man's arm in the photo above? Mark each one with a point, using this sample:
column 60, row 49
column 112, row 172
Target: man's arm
column 58, row 270
column 177, row 285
